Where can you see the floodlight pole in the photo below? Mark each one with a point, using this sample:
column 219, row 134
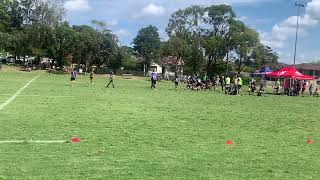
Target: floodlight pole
column 298, row 5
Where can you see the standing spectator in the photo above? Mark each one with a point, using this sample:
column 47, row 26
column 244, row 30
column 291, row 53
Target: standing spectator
column 235, row 85
column 304, row 87
column 240, row 84
column 110, row 80
column 277, row 88
column 228, row 84
column 316, row 92
column 217, row 82
column 154, row 78
column 311, row 89
column 252, row 87
column 222, row 83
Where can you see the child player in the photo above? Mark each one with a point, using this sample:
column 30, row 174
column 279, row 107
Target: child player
column 92, row 76
column 176, row 82
column 73, row 77
column 111, row 79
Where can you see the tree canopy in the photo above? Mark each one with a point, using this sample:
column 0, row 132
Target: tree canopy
column 208, row 39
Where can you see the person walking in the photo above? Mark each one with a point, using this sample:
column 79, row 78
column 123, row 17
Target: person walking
column 110, row 80
column 154, row 78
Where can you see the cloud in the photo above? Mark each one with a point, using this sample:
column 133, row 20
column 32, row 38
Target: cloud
column 77, row 5
column 243, row 18
column 122, row 32
column 112, row 22
column 313, row 9
column 287, row 28
column 150, row 10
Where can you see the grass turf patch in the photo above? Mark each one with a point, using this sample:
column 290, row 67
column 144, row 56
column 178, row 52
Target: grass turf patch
column 131, row 132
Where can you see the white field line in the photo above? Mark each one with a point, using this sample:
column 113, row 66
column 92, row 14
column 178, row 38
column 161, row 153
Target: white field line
column 17, row 93
column 32, row 141
column 44, row 96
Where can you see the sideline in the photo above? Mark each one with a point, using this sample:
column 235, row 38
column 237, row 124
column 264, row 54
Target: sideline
column 3, row 105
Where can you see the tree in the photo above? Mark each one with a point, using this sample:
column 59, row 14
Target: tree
column 129, row 59
column 96, row 48
column 186, row 24
column 147, row 45
column 264, row 56
column 244, row 43
column 48, row 13
column 65, row 44
column 216, row 44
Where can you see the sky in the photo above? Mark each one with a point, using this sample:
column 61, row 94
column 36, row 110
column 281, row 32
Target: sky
column 275, row 20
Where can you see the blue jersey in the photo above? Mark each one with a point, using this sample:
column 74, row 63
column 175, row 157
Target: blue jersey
column 154, row 76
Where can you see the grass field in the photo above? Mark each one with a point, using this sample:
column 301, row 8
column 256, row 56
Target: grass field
column 131, row 132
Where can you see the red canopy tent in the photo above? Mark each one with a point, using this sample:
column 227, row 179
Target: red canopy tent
column 290, row 73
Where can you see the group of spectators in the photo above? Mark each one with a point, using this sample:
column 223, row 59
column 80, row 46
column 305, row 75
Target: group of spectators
column 234, row 85
column 229, row 86
column 298, row 87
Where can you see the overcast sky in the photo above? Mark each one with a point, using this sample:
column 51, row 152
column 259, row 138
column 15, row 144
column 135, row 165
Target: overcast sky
column 275, row 20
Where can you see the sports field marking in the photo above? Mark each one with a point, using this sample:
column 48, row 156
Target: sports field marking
column 45, row 96
column 32, row 142
column 17, row 93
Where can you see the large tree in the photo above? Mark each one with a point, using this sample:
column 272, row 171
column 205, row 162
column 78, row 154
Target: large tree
column 264, row 56
column 215, row 32
column 147, row 44
column 245, row 41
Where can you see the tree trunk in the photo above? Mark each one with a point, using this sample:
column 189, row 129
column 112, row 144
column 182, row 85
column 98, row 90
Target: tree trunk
column 239, row 65
column 227, row 64
column 177, row 73
column 209, row 65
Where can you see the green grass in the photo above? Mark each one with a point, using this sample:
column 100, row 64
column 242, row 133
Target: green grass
column 131, row 132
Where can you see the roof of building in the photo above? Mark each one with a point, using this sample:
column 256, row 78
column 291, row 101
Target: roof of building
column 171, row 61
column 304, row 66
column 310, row 67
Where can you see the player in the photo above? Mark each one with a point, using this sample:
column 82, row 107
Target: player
column 73, row 77
column 110, row 80
column 154, row 78
column 176, row 82
column 92, row 76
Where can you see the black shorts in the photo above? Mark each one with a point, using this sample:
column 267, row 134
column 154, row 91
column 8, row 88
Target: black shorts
column 176, row 83
column 73, row 79
column 239, row 86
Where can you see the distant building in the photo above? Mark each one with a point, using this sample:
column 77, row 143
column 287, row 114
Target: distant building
column 156, row 67
column 309, row 69
column 167, row 67
column 170, row 66
column 305, row 68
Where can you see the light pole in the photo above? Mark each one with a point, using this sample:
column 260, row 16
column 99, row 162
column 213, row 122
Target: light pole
column 298, row 5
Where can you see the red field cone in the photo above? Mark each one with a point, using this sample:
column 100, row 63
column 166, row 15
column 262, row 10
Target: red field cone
column 229, row 142
column 75, row 140
column 310, row 141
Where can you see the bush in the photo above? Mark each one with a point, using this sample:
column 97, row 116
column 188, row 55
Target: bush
column 246, row 80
